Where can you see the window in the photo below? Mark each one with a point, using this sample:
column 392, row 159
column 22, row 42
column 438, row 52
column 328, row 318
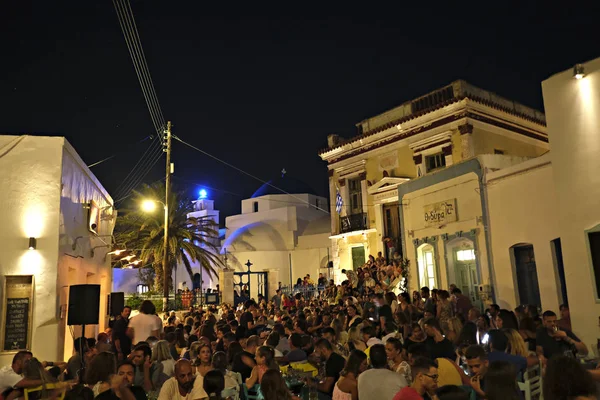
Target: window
column 594, row 238
column 435, row 161
column 355, row 192
column 498, row 151
column 427, row 275
column 142, row 289
column 255, row 206
column 317, row 203
column 465, row 255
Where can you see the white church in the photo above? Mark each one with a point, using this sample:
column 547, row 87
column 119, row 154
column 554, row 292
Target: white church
column 283, row 230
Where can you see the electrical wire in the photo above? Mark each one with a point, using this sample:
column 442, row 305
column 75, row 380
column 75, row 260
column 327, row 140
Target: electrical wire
column 116, row 154
column 144, row 168
column 133, row 42
column 125, row 183
column 248, row 174
column 130, row 33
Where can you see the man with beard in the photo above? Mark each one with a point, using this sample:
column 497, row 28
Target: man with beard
column 184, row 385
column 122, row 385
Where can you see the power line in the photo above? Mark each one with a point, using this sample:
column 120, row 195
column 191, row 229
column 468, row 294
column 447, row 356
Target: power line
column 247, row 173
column 138, row 58
column 116, row 154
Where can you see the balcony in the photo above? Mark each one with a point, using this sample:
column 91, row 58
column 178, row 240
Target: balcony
column 353, row 222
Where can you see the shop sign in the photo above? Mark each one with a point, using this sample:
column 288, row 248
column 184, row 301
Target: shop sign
column 440, row 213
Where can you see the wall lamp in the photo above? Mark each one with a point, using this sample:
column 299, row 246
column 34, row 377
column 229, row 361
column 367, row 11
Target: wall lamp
column 578, row 71
column 32, row 243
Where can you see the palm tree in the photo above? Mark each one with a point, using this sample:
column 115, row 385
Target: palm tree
column 190, row 239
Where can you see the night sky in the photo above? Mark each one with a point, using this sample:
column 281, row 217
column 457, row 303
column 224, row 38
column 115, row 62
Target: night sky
column 261, row 88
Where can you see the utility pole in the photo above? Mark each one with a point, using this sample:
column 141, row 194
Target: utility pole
column 167, row 149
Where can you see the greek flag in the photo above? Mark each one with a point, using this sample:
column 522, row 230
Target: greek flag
column 339, row 202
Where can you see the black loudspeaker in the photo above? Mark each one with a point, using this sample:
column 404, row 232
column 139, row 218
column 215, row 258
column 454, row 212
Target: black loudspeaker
column 84, row 305
column 116, row 302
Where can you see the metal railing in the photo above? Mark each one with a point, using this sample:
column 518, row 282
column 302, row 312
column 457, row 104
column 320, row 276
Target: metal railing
column 353, row 222
column 306, row 291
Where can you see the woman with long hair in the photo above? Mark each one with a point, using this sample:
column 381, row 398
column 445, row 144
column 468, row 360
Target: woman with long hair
column 454, row 330
column 516, row 344
column 355, row 341
column 346, row 388
column 34, row 370
column 468, row 335
column 162, row 355
column 501, row 382
column 566, row 379
column 393, row 350
column 232, row 379
column 273, row 387
column 506, row 320
column 265, row 360
column 203, row 362
column 97, row 374
column 444, row 309
column 214, row 384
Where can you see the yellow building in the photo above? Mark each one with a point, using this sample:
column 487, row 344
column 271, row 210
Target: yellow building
column 428, row 154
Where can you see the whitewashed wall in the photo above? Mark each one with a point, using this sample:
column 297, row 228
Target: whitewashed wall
column 572, row 109
column 41, row 180
column 522, row 206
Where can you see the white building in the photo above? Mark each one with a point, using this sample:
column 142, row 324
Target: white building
column 286, row 235
column 51, row 202
column 430, row 154
column 573, row 110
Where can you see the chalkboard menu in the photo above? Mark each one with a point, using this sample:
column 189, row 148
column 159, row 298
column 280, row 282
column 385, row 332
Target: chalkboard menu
column 17, row 324
column 17, row 313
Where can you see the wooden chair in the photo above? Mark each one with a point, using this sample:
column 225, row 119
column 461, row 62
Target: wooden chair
column 49, row 386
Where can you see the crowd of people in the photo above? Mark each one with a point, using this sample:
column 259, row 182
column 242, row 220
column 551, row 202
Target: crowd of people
column 355, row 340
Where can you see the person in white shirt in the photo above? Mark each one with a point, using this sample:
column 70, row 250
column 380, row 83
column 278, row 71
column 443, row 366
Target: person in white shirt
column 184, row 385
column 11, row 375
column 146, row 323
column 379, row 382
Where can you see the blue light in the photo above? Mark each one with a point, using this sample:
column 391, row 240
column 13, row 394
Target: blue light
column 203, row 194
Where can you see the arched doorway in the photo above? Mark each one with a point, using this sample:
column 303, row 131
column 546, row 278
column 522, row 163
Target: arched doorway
column 462, row 265
column 523, row 258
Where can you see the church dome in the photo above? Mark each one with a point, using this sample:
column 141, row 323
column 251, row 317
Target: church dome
column 287, row 183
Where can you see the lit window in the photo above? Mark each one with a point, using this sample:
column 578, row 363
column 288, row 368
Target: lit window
column 465, row 255
column 142, row 289
column 427, row 276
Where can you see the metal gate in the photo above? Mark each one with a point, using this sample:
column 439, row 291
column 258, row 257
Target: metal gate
column 242, row 282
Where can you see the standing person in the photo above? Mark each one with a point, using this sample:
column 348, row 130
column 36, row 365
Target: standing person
column 462, row 303
column 146, row 323
column 277, row 299
column 444, row 309
column 379, row 382
column 425, row 377
column 120, row 339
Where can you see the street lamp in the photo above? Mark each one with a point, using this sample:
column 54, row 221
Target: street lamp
column 150, row 206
